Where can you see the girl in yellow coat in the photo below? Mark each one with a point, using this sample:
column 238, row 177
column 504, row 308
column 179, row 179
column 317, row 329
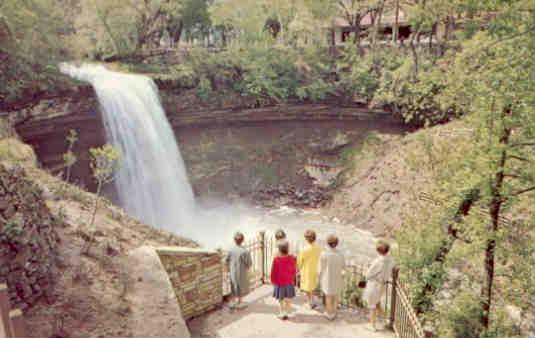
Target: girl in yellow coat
column 307, row 263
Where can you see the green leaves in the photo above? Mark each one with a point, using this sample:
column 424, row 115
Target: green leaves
column 104, row 162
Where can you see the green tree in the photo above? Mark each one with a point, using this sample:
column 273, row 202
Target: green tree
column 104, row 163
column 32, row 37
column 492, row 79
column 122, row 27
column 196, row 19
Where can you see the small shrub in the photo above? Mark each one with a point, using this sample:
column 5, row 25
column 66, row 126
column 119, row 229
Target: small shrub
column 184, row 76
column 416, row 97
column 12, row 230
column 352, row 294
column 315, row 91
column 462, row 318
column 267, row 74
column 204, row 89
column 104, row 162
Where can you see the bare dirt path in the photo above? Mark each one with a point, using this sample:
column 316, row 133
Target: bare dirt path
column 259, row 320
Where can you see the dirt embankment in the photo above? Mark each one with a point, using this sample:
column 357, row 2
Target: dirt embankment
column 78, row 284
column 381, row 181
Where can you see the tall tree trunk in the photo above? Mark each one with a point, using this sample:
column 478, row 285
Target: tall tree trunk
column 377, row 25
column 433, row 30
column 97, row 196
column 357, row 30
column 395, row 29
column 177, row 33
column 415, row 53
column 494, row 211
column 429, row 289
column 445, row 39
column 332, row 37
column 224, row 36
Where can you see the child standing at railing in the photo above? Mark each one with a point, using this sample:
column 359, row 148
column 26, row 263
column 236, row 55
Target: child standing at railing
column 376, row 278
column 239, row 262
column 307, row 262
column 332, row 264
column 280, row 235
column 283, row 272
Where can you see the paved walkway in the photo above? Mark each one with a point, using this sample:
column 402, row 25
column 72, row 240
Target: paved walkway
column 150, row 281
column 258, row 320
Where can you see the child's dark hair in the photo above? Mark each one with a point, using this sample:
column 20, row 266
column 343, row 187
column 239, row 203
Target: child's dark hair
column 332, row 241
column 280, row 234
column 238, row 238
column 383, row 247
column 284, row 247
column 310, row 236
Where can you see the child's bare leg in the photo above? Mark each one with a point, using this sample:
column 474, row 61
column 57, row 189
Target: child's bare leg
column 380, row 312
column 310, row 298
column 281, row 308
column 373, row 318
column 240, row 304
column 232, row 302
column 330, row 305
column 287, row 305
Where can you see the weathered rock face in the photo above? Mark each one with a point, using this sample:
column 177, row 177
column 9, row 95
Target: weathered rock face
column 27, row 239
column 184, row 109
column 46, row 125
column 284, row 154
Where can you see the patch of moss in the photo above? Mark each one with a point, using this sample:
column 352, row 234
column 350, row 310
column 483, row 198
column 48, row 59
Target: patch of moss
column 12, row 150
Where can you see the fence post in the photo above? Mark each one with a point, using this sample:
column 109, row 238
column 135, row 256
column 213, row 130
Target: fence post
column 4, row 309
column 18, row 329
column 262, row 238
column 393, row 298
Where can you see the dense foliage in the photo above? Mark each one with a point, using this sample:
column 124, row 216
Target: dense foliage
column 469, row 258
column 31, row 43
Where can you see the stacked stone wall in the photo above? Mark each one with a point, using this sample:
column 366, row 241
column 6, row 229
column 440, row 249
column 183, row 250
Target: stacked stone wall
column 196, row 276
column 28, row 239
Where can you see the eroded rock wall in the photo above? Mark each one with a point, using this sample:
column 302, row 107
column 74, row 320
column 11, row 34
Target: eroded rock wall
column 284, row 154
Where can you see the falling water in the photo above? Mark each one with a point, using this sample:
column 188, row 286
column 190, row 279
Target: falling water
column 152, row 182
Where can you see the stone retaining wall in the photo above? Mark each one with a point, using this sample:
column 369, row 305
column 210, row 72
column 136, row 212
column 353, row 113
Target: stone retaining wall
column 28, row 239
column 196, row 276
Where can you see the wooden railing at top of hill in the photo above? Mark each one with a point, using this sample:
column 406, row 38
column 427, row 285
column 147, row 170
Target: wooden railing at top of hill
column 12, row 324
column 396, row 302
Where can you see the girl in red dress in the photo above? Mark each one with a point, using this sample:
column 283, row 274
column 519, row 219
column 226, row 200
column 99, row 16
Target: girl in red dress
column 283, row 272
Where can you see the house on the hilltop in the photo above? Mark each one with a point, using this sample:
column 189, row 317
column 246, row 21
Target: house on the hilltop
column 344, row 32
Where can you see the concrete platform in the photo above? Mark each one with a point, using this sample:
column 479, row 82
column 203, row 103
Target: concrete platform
column 259, row 320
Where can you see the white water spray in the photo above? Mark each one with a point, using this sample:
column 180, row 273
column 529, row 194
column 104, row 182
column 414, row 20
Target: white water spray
column 152, row 182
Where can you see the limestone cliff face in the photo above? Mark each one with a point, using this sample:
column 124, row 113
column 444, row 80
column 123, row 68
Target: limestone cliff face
column 46, row 125
column 268, row 154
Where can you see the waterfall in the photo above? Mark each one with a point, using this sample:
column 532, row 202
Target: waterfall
column 152, row 182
